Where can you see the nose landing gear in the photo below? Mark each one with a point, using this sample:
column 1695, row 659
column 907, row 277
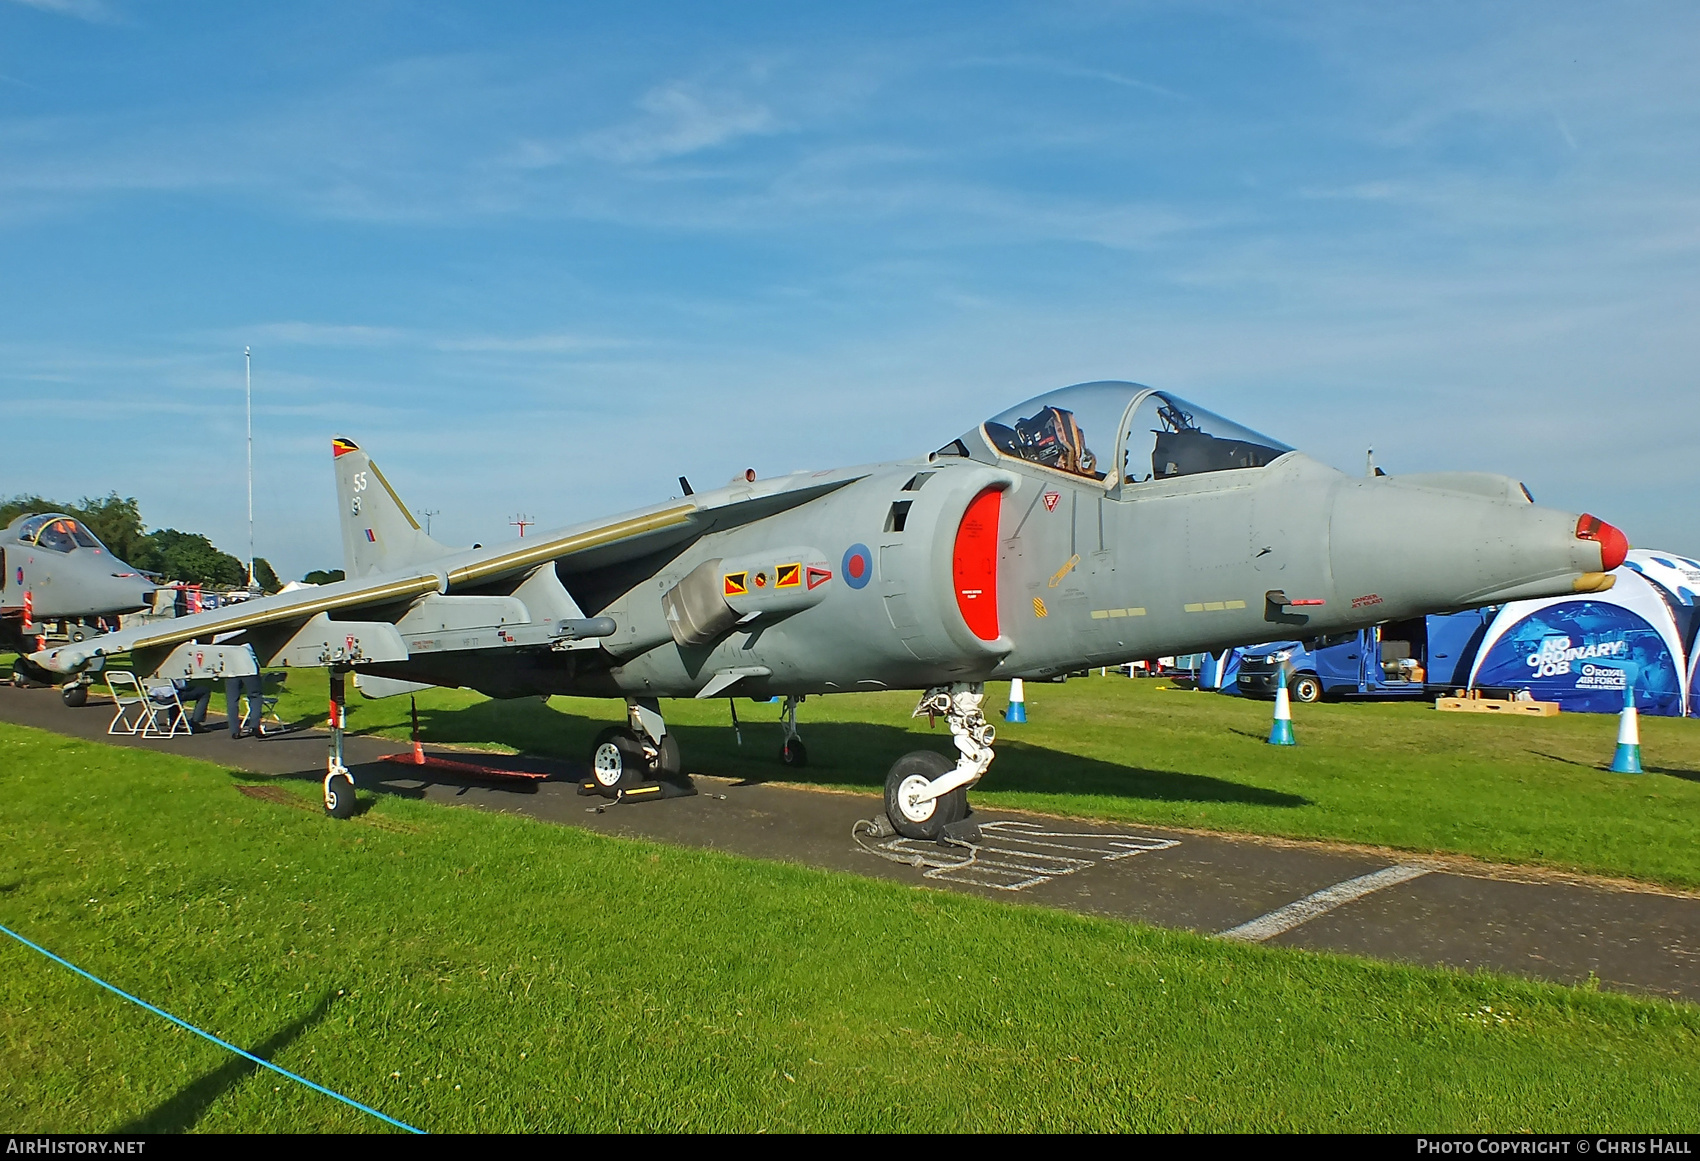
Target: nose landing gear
column 924, row 792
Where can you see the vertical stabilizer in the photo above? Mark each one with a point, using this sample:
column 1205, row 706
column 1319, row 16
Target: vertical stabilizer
column 378, row 532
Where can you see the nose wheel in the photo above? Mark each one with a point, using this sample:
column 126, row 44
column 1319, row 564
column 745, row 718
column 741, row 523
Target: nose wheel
column 912, row 812
column 926, row 792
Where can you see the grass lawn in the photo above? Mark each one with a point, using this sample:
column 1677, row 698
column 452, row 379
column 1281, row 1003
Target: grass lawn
column 1529, row 790
column 465, row 970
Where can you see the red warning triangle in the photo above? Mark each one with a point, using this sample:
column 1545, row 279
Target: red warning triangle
column 1051, row 499
column 818, row 576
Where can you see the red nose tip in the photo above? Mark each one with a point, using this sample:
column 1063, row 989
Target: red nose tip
column 1614, row 545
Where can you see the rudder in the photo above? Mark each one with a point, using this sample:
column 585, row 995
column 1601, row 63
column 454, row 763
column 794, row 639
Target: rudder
column 378, row 532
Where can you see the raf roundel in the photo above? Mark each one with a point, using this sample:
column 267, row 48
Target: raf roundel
column 858, row 566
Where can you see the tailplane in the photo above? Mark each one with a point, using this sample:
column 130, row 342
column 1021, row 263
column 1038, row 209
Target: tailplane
column 378, row 532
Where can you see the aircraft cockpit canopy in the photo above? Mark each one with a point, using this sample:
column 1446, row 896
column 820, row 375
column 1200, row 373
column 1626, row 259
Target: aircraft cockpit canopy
column 55, row 532
column 1125, row 433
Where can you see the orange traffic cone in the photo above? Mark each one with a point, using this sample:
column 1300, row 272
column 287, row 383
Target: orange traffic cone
column 418, row 749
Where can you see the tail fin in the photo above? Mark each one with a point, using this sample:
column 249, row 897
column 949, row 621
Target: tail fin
column 378, row 532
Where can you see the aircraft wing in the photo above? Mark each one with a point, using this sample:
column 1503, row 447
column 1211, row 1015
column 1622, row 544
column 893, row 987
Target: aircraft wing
column 386, row 595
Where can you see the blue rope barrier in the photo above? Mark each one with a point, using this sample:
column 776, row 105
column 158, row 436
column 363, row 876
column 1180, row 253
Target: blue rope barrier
column 210, row 1036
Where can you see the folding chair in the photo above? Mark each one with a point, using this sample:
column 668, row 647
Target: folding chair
column 163, row 699
column 268, row 711
column 135, row 712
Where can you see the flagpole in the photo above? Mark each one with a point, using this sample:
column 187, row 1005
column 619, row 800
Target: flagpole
column 248, row 378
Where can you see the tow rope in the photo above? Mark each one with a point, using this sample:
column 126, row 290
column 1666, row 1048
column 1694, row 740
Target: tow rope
column 880, row 828
column 209, row 1036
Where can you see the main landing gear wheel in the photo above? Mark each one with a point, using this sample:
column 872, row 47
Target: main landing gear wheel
column 26, row 675
column 75, row 695
column 909, row 776
column 339, row 796
column 617, row 759
column 793, row 753
column 1305, row 688
column 667, row 764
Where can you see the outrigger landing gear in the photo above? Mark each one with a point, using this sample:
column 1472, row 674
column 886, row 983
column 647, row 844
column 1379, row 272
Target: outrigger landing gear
column 637, row 761
column 339, row 785
column 791, row 750
column 924, row 792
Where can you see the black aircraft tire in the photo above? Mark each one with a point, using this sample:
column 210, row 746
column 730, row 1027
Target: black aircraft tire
column 75, row 695
column 794, row 754
column 339, row 797
column 27, row 675
column 1305, row 688
column 667, row 762
column 925, row 765
column 617, row 760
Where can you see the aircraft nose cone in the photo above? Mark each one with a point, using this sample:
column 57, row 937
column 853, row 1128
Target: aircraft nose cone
column 1614, row 545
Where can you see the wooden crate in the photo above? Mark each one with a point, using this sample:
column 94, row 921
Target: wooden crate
column 1483, row 705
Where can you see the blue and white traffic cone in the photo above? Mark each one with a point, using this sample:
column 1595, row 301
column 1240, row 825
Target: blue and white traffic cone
column 1281, row 731
column 1627, row 760
column 1017, row 711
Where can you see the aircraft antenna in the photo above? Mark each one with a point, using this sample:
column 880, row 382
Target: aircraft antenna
column 1369, row 463
column 248, row 393
column 522, row 522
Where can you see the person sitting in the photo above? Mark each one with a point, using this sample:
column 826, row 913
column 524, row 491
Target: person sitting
column 193, row 696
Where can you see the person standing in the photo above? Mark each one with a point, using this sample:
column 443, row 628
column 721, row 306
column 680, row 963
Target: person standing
column 234, row 690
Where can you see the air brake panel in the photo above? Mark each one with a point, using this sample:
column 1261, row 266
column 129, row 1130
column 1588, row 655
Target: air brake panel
column 974, row 565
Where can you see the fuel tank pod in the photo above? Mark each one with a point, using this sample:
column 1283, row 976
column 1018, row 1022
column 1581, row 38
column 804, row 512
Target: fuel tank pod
column 723, row 592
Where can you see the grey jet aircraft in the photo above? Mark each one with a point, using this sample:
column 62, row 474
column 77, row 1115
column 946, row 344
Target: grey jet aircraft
column 54, row 570
column 1093, row 525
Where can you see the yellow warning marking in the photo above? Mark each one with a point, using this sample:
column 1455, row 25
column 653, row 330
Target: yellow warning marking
column 1203, row 607
column 1118, row 612
column 1236, row 604
column 1136, row 612
column 737, row 584
column 1039, row 609
column 1102, row 614
column 1068, row 567
column 1195, row 608
column 790, row 576
column 1214, row 606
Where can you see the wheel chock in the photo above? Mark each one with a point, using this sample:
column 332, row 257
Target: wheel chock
column 966, row 831
column 654, row 791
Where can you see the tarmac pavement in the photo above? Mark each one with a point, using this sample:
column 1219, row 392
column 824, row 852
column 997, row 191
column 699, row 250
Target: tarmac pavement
column 1383, row 905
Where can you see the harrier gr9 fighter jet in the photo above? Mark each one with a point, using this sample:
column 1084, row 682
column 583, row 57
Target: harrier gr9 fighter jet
column 53, row 569
column 1093, row 525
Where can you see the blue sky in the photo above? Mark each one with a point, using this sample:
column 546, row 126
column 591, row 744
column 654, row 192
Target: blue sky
column 546, row 258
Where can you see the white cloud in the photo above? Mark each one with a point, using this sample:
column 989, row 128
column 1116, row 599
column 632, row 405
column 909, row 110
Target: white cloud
column 93, row 11
column 680, row 119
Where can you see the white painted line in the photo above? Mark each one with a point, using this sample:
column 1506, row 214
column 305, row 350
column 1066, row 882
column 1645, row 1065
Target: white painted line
column 1321, row 903
column 1008, row 861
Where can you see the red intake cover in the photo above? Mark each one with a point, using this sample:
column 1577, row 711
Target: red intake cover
column 1614, row 545
column 974, row 565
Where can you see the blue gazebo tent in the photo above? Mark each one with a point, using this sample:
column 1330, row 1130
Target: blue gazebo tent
column 1678, row 579
column 1576, row 650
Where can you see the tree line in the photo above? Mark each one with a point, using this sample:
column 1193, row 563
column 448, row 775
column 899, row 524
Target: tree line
column 187, row 557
